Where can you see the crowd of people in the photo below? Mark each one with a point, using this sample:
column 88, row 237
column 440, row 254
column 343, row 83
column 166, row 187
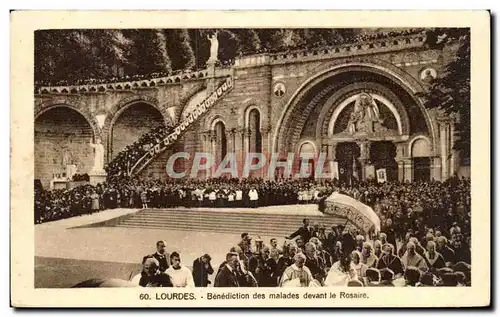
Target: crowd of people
column 355, row 39
column 80, row 177
column 58, row 204
column 409, row 206
column 424, row 240
column 114, row 79
column 311, row 257
column 126, row 159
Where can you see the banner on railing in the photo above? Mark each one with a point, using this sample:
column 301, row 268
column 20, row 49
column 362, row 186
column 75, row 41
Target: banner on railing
column 200, row 109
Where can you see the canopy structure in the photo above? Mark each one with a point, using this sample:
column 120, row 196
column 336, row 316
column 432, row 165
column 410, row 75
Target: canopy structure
column 354, row 211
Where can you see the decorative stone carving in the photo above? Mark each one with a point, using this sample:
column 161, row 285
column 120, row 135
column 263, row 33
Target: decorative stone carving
column 279, row 90
column 428, row 74
column 365, row 118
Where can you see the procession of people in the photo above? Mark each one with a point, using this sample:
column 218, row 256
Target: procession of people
column 307, row 258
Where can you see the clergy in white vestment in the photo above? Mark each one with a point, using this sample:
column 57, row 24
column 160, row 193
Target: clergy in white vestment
column 341, row 273
column 180, row 276
column 297, row 274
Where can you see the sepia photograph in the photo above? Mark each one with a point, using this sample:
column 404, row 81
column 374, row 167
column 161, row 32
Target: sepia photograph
column 285, row 158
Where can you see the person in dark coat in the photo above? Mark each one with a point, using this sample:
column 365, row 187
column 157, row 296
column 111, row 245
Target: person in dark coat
column 202, row 268
column 462, row 252
column 390, row 232
column 390, row 261
column 314, row 263
column 286, row 260
column 443, row 249
column 386, row 277
column 271, row 269
column 151, row 276
column 227, row 276
column 162, row 256
column 305, row 232
column 348, row 242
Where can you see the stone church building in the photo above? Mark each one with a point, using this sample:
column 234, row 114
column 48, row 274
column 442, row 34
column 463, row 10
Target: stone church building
column 355, row 102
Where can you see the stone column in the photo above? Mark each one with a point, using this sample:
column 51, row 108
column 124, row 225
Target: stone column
column 443, row 134
column 404, row 161
column 331, row 157
column 453, row 167
column 436, row 168
column 239, row 149
column 364, row 157
column 408, row 165
column 246, row 140
column 401, row 170
column 332, row 152
column 264, row 135
column 405, row 169
column 214, row 151
column 230, row 140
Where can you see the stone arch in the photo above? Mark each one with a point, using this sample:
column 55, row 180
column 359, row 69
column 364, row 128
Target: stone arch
column 123, row 104
column 309, row 144
column 115, row 112
column 81, row 109
column 420, row 146
column 185, row 101
column 247, row 105
column 212, row 121
column 366, row 64
column 247, row 115
column 254, row 141
column 62, row 133
column 344, row 103
column 342, row 94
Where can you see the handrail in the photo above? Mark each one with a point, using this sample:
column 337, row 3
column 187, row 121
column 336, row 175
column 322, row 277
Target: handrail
column 199, row 111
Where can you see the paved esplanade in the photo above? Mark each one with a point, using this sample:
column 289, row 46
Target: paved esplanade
column 66, row 255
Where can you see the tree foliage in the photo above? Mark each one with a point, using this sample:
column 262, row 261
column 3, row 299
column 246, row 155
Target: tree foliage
column 179, row 48
column 79, row 54
column 451, row 91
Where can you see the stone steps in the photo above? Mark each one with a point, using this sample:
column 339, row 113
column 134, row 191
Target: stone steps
column 264, row 224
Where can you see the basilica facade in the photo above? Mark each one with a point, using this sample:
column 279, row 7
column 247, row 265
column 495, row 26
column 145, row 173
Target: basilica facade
column 358, row 103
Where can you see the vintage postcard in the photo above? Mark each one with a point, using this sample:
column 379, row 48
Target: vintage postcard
column 250, row 159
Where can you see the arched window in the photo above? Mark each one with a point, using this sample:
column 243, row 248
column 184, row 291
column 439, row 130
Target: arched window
column 220, row 141
column 307, row 149
column 255, row 144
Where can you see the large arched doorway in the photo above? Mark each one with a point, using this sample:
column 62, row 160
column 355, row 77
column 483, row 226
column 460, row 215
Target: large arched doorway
column 421, row 157
column 332, row 95
column 62, row 137
column 382, row 156
column 347, row 154
column 131, row 123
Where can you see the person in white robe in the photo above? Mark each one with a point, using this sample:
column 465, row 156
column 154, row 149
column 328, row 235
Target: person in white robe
column 297, row 274
column 180, row 276
column 412, row 258
column 341, row 273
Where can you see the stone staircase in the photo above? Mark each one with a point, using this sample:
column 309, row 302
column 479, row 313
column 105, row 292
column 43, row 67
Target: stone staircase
column 263, row 224
column 213, row 97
